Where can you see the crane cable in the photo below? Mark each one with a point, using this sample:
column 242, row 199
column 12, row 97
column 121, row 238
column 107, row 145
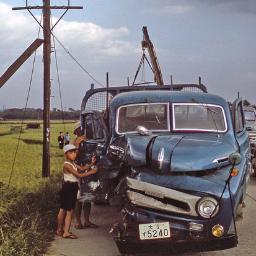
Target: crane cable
column 144, row 57
column 143, row 71
column 24, row 109
column 138, row 69
column 58, row 79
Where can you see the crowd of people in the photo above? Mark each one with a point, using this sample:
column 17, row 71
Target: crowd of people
column 76, row 174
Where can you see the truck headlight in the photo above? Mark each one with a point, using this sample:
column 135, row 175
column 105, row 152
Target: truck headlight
column 207, row 207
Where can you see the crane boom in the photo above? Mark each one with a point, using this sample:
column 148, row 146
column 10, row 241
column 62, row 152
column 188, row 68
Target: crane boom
column 146, row 43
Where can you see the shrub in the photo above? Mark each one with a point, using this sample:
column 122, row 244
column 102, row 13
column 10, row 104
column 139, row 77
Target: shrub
column 27, row 225
column 33, row 126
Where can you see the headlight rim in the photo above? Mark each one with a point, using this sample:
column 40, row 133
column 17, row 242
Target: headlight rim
column 207, row 198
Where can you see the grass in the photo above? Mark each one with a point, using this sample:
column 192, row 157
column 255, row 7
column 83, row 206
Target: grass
column 27, row 224
column 28, row 164
column 28, row 206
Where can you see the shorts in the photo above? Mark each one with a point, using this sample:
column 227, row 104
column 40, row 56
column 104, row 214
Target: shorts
column 68, row 195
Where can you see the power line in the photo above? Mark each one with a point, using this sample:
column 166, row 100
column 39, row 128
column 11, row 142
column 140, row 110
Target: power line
column 47, row 33
column 24, row 111
column 76, row 61
column 69, row 53
column 46, row 8
column 59, row 84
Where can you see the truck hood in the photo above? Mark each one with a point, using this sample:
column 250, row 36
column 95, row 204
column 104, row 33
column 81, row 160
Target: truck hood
column 181, row 153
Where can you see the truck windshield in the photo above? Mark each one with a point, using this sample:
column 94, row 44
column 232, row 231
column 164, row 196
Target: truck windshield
column 249, row 115
column 198, row 117
column 153, row 116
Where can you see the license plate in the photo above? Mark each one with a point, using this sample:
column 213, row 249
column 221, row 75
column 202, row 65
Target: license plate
column 154, row 230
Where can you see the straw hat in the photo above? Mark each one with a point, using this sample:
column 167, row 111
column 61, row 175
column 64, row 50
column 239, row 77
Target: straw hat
column 77, row 125
column 69, row 147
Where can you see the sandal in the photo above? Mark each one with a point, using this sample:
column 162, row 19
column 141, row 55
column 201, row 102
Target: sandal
column 91, row 225
column 70, row 236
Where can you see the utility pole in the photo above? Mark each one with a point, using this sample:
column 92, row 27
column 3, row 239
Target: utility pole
column 47, row 87
column 46, row 8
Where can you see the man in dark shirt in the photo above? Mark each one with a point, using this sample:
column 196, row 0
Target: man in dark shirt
column 61, row 140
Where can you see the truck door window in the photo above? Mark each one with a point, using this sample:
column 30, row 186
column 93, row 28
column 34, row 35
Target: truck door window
column 239, row 119
column 93, row 127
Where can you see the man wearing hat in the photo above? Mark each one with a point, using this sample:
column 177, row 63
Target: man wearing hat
column 79, row 134
column 84, row 206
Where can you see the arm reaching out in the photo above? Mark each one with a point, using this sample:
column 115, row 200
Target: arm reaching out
column 89, row 166
column 78, row 140
column 69, row 169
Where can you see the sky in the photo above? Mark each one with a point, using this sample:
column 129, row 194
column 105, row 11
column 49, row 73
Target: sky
column 214, row 39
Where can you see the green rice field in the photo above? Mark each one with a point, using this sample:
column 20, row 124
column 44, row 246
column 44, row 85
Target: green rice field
column 27, row 168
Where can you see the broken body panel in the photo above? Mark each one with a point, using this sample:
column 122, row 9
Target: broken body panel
column 173, row 174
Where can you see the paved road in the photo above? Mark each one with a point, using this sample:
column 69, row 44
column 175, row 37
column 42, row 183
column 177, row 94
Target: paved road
column 98, row 242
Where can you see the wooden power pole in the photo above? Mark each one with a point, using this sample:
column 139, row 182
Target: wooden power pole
column 46, row 8
column 47, row 87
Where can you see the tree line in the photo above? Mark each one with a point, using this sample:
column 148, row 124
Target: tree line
column 37, row 114
column 55, row 114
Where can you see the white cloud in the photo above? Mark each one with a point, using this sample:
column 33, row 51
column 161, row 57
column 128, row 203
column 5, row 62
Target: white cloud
column 94, row 46
column 101, row 41
column 89, row 32
column 18, row 29
column 14, row 26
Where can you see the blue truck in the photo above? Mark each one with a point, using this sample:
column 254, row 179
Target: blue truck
column 179, row 160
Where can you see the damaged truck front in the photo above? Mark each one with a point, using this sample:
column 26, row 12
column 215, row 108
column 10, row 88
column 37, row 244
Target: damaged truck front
column 183, row 159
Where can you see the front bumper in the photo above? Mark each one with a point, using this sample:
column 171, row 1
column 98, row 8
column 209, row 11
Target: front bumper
column 183, row 237
column 167, row 246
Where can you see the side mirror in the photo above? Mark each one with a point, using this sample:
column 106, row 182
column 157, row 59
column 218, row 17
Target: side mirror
column 142, row 130
column 235, row 158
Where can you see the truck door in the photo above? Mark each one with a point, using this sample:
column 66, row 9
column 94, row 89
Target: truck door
column 239, row 126
column 96, row 133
